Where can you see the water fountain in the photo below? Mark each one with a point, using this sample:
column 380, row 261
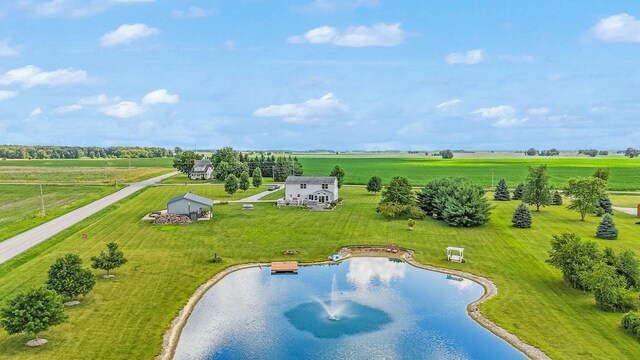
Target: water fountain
column 331, row 307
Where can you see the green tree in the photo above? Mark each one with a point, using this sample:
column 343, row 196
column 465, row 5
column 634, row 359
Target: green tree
column 257, row 177
column 521, row 217
column 557, row 198
column 631, row 152
column 32, row 312
column 602, row 174
column 244, row 181
column 605, row 204
column 531, row 152
column 183, row 161
column 226, row 154
column 585, row 194
column 446, row 154
column 398, row 191
column 608, row 288
column 231, row 184
column 467, row 206
column 113, row 258
column 338, row 173
column 374, row 185
column 607, row 229
column 631, row 324
column 573, row 257
column 222, row 170
column 518, row 192
column 502, row 191
column 434, row 197
column 537, row 190
column 68, row 278
column 627, row 265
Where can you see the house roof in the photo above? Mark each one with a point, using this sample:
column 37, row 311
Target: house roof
column 311, row 180
column 193, row 198
column 201, row 165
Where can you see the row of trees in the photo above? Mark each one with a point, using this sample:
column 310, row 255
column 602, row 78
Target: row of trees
column 38, row 309
column 77, row 152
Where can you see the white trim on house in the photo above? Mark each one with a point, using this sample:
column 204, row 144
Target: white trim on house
column 303, row 190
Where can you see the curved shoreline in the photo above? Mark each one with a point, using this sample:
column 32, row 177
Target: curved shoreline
column 172, row 335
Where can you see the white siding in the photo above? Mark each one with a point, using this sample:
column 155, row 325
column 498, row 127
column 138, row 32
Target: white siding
column 297, row 193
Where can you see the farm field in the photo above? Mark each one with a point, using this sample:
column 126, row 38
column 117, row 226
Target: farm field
column 20, row 205
column 630, row 201
column 625, row 172
column 127, row 316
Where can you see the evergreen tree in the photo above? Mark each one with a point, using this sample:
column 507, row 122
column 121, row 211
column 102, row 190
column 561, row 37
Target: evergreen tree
column 521, row 217
column 375, row 184
column 502, row 191
column 518, row 192
column 109, row 260
column 557, row 198
column 257, row 177
column 244, row 181
column 607, row 229
column 537, row 190
column 467, row 206
column 605, row 204
column 231, row 184
column 68, row 278
column 339, row 173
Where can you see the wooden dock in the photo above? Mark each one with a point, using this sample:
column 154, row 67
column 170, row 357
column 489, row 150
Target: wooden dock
column 284, row 267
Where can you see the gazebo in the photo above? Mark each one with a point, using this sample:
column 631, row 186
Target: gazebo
column 455, row 254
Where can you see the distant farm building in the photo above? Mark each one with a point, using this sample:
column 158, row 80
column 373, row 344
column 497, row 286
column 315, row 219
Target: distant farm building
column 192, row 205
column 311, row 190
column 201, row 170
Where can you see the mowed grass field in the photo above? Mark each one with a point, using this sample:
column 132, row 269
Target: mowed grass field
column 126, row 317
column 83, row 170
column 20, row 205
column 625, row 172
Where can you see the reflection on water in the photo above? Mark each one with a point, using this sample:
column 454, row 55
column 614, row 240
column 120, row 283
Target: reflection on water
column 390, row 310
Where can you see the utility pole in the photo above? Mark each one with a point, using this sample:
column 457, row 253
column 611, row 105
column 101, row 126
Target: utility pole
column 491, row 177
column 42, row 200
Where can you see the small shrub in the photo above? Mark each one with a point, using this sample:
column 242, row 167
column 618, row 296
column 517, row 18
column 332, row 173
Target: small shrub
column 599, row 212
column 502, row 192
column 607, row 229
column 521, row 217
column 215, row 259
column 605, row 205
column 631, row 323
column 411, row 223
column 557, row 198
column 518, row 192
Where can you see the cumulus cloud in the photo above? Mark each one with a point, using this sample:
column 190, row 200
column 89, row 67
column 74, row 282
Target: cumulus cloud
column 35, row 112
column 160, row 96
column 617, row 28
column 100, row 99
column 193, row 12
column 506, row 123
column 517, row 59
column 68, row 109
column 5, row 94
column 31, row 76
column 126, row 34
column 495, row 112
column 123, row 110
column 538, row 111
column 329, row 104
column 6, row 49
column 469, row 58
column 448, row 104
column 354, row 36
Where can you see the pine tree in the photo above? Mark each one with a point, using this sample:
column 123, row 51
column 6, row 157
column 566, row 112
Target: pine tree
column 517, row 193
column 521, row 217
column 557, row 198
column 607, row 229
column 605, row 204
column 502, row 191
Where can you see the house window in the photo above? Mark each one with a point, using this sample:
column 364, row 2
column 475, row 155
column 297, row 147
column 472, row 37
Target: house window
column 325, row 186
column 303, row 186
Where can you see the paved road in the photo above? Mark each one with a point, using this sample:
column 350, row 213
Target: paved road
column 24, row 241
column 631, row 211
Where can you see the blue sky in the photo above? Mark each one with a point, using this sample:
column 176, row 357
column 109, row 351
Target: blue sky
column 309, row 74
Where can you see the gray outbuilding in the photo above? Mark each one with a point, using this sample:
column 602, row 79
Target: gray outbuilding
column 190, row 204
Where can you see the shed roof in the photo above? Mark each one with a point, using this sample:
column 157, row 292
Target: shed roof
column 311, row 180
column 193, row 198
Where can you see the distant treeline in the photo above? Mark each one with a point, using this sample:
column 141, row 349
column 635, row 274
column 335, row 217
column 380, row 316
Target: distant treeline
column 76, row 152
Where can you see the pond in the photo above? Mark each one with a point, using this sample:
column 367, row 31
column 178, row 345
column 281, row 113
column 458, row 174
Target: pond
column 381, row 309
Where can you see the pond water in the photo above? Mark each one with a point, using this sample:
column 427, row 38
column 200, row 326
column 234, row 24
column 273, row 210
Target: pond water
column 383, row 309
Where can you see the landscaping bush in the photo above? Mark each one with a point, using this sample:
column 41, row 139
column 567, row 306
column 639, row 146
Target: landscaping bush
column 398, row 200
column 609, row 288
column 631, row 323
column 574, row 258
column 607, row 229
column 397, row 210
column 605, row 205
column 557, row 198
column 518, row 192
column 502, row 191
column 521, row 217
column 455, row 201
column 599, row 212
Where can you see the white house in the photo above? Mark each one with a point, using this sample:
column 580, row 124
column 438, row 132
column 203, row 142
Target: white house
column 189, row 203
column 311, row 189
column 202, row 169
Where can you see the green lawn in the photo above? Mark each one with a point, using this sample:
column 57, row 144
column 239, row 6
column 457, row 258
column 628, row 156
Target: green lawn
column 126, row 317
column 625, row 172
column 20, row 205
column 630, row 201
column 274, row 195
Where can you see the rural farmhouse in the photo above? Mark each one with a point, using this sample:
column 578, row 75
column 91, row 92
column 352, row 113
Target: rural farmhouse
column 310, row 190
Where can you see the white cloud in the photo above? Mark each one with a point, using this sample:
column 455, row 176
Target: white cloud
column 68, row 109
column 495, row 112
column 517, row 59
column 193, row 12
column 100, row 99
column 30, row 76
column 160, row 96
column 7, row 49
column 447, row 104
column 296, row 113
column 538, row 111
column 354, row 36
column 123, row 110
column 332, row 6
column 5, row 94
column 505, row 123
column 469, row 58
column 127, row 33
column 35, row 112
column 617, row 28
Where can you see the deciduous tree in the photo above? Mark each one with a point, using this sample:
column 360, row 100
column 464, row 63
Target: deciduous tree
column 257, row 177
column 68, row 278
column 244, row 181
column 574, row 258
column 375, row 184
column 113, row 258
column 537, row 190
column 585, row 194
column 183, row 162
column 231, row 184
column 338, row 173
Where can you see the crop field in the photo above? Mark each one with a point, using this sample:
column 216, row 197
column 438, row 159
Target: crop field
column 20, row 205
column 625, row 172
column 126, row 317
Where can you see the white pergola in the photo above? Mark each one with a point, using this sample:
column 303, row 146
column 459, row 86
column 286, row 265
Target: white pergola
column 455, row 254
